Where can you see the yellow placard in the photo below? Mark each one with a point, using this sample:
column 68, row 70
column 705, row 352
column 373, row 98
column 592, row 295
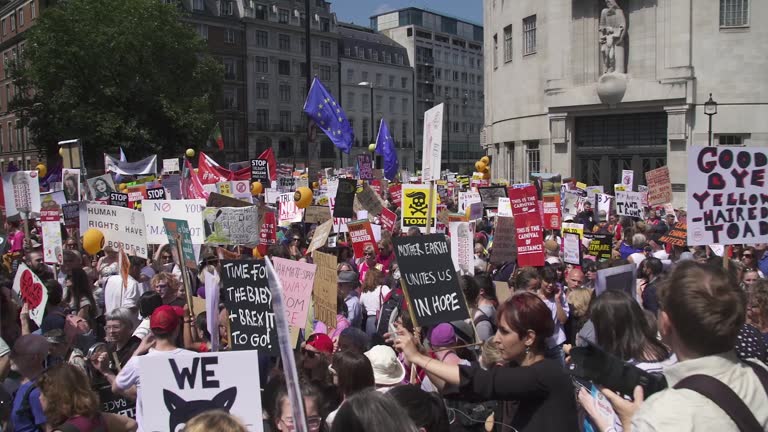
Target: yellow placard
column 414, row 206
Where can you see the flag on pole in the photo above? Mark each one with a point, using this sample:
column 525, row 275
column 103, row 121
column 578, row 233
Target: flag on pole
column 321, row 107
column 122, row 156
column 385, row 147
column 216, row 139
column 269, row 155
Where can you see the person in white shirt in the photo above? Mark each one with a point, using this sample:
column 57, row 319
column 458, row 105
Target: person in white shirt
column 372, row 297
column 116, row 295
column 553, row 296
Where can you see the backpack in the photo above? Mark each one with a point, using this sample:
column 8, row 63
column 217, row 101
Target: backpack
column 468, row 416
column 390, row 304
column 484, row 318
column 25, row 409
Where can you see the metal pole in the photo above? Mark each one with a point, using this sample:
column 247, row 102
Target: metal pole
column 448, row 135
column 710, row 131
column 308, row 61
column 373, row 154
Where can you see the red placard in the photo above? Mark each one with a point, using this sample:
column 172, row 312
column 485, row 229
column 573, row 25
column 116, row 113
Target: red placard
column 550, row 211
column 268, row 233
column 396, row 194
column 523, row 200
column 387, row 218
column 361, row 234
column 530, row 243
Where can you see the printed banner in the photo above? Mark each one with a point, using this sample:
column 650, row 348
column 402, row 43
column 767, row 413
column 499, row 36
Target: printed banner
column 415, row 207
column 505, row 208
column 396, row 194
column 231, row 225
column 364, row 168
column 530, row 244
column 432, row 144
column 388, row 219
column 325, row 288
column 463, row 247
column 71, row 184
column 659, row 186
column 677, row 236
column 523, row 200
column 143, row 167
column 600, row 246
column 571, row 248
column 428, row 275
column 121, row 227
column 176, row 388
column 361, row 234
column 727, row 198
column 21, row 190
column 260, row 172
column 50, row 223
column 627, row 179
column 100, row 187
column 289, row 211
column 630, row 204
column 189, row 210
column 248, row 299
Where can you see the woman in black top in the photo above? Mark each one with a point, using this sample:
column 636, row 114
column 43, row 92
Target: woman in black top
column 543, row 390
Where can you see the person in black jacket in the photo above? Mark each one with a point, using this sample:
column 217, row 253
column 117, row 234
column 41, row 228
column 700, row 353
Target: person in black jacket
column 653, row 269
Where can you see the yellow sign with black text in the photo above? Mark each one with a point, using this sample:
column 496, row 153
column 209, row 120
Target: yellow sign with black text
column 415, row 206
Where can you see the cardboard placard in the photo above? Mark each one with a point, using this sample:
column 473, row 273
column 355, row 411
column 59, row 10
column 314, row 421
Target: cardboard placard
column 216, row 199
column 361, row 234
column 175, row 388
column 370, row 200
column 100, row 187
column 466, row 199
column 248, row 299
column 171, row 166
column 415, row 206
column 364, row 168
column 530, row 241
column 523, row 200
column 121, row 227
column 571, row 248
column 71, row 212
column 71, row 184
column 320, row 238
column 388, row 219
column 429, row 277
column 677, row 236
column 630, row 204
column 289, row 212
column 489, row 196
column 30, row 289
column 627, row 179
column 189, row 210
column 157, row 193
column 118, row 199
column 177, row 231
column 21, row 190
column 325, row 288
column 504, row 248
column 463, row 247
column 50, row 224
column 600, row 246
column 659, row 186
column 260, row 172
column 432, row 143
column 297, row 279
column 231, row 225
column 396, row 194
column 345, row 199
column 316, row 214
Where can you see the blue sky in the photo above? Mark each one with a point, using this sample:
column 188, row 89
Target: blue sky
column 359, row 11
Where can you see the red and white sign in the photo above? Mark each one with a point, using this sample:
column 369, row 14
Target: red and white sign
column 289, row 211
column 30, row 289
column 361, row 234
column 530, row 244
column 396, row 194
column 388, row 218
column 523, row 200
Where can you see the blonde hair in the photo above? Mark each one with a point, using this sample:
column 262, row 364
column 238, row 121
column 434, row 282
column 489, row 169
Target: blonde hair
column 214, row 420
column 490, row 354
column 580, row 299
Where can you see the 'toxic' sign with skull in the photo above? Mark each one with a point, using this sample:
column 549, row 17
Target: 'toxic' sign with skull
column 415, row 206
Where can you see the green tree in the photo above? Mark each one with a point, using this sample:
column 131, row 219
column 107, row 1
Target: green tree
column 116, row 73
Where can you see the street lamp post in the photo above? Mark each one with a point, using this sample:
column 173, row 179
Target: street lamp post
column 373, row 143
column 448, row 132
column 710, row 109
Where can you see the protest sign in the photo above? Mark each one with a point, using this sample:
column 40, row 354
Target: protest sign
column 576, row 228
column 627, row 179
column 432, row 143
column 396, row 194
column 593, row 190
column 569, row 205
column 630, row 204
column 339, row 224
column 619, row 188
column 71, row 184
column 176, row 388
column 504, row 248
column 550, row 210
column 224, row 188
column 530, row 244
column 429, row 277
column 600, row 246
column 571, row 248
column 463, row 247
column 118, row 199
column 370, row 200
column 177, row 231
column 364, row 168
column 31, row 291
column 297, row 279
column 121, row 227
column 659, row 186
column 345, row 199
column 171, row 166
column 189, row 210
column 146, row 166
column 231, row 226
column 71, row 213
column 505, row 208
column 603, row 207
column 361, row 235
column 100, row 187
column 115, row 404
column 388, row 219
column 22, row 194
column 727, row 199
column 289, row 211
column 523, row 200
column 248, row 299
column 173, row 184
column 475, row 211
column 320, row 238
column 325, row 288
column 260, row 172
column 489, row 196
column 466, row 199
column 50, row 223
column 216, row 199
column 316, row 214
column 157, row 193
column 415, row 207
column 677, row 236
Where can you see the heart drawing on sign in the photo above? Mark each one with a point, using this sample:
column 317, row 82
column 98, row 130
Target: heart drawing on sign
column 31, row 291
column 716, row 181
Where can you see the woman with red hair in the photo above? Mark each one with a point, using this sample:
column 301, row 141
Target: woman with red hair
column 541, row 387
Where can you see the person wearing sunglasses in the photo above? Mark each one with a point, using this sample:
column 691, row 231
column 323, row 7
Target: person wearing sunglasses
column 281, row 417
column 168, row 287
column 368, row 262
column 749, row 259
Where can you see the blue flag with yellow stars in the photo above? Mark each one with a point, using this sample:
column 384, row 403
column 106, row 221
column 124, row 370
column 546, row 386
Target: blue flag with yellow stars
column 385, row 146
column 321, row 107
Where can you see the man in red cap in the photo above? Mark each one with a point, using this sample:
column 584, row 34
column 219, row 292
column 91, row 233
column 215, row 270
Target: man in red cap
column 165, row 324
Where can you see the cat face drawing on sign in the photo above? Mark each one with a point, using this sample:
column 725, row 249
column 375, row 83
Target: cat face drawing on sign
column 182, row 411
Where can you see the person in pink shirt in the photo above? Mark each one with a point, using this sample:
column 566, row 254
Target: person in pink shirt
column 386, row 254
column 15, row 237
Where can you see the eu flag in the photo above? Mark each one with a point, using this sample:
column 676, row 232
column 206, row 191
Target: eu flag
column 321, row 107
column 385, row 146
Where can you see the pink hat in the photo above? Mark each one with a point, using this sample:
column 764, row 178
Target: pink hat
column 443, row 335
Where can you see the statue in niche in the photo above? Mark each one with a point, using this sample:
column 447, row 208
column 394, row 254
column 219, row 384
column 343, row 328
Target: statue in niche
column 613, row 32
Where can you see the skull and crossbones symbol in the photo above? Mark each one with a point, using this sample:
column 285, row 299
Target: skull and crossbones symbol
column 419, row 204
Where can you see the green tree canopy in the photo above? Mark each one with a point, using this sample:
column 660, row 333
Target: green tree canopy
column 116, row 73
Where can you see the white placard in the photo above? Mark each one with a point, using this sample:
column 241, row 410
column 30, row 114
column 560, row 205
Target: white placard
column 627, row 179
column 432, row 143
column 22, row 193
column 462, row 247
column 466, row 199
column 505, row 208
column 171, row 166
column 288, row 211
column 120, row 226
column 175, row 388
column 30, row 289
column 630, row 204
column 189, row 210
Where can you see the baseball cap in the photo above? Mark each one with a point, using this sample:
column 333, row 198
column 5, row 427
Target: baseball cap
column 166, row 318
column 348, row 277
column 321, row 342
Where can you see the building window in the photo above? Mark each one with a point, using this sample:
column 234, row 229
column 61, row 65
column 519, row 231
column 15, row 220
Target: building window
column 507, row 44
column 283, row 16
column 284, row 67
column 391, row 81
column 12, row 18
column 262, row 119
column 350, row 75
column 529, row 35
column 392, row 101
column 325, row 48
column 365, row 76
column 285, row 120
column 495, row 51
column 366, row 103
column 230, row 70
column 733, row 140
column 202, row 30
column 230, row 99
column 262, row 90
column 3, row 25
column 32, row 10
column 230, row 36
column 262, row 39
column 198, row 5
column 226, row 7
column 378, row 79
column 261, row 64
column 404, row 106
column 20, row 14
column 405, row 131
column 350, row 102
column 325, row 72
column 284, row 42
column 379, row 100
column 285, row 93
column 533, row 156
column 366, row 130
column 734, row 13
column 404, row 82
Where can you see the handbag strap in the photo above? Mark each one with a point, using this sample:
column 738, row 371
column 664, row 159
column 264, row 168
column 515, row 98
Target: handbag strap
column 725, row 398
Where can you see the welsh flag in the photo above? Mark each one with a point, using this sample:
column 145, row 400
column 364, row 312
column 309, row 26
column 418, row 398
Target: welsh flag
column 216, row 138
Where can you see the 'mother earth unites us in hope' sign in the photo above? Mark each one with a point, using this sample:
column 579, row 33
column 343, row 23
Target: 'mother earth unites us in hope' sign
column 727, row 197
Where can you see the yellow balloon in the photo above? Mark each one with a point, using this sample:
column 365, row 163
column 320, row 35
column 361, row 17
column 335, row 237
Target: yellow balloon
column 303, row 197
column 257, row 188
column 42, row 170
column 93, row 241
column 61, row 151
column 372, row 147
column 480, row 166
column 486, row 160
column 122, row 186
column 190, row 153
